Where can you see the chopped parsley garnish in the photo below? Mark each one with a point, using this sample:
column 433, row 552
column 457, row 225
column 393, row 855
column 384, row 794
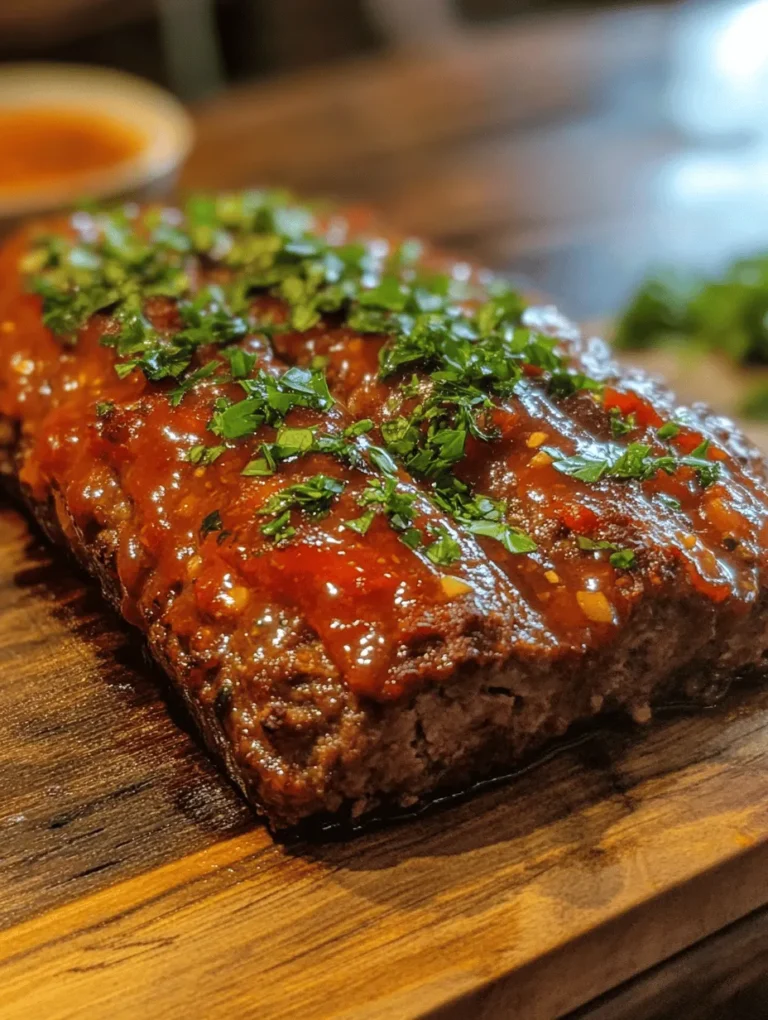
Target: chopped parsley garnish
column 670, row 430
column 362, row 523
column 455, row 356
column 358, row 428
column 621, row 425
column 269, row 399
column 632, row 461
column 313, row 497
column 587, row 467
column 636, row 461
column 382, row 460
column 707, row 471
column 343, row 446
column 211, row 522
column 292, row 442
column 240, row 362
column 621, row 559
column 104, row 408
column 444, row 550
column 263, row 466
column 400, row 436
column 591, row 545
column 279, row 528
column 203, row 455
column 235, row 419
column 669, row 501
column 385, row 495
column 177, row 394
column 482, row 516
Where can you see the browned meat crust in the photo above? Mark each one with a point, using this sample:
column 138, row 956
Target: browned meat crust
column 486, row 658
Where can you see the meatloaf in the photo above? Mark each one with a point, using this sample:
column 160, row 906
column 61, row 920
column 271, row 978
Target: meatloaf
column 385, row 527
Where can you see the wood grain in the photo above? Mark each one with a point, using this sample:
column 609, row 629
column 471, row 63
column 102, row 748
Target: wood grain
column 98, row 782
column 132, row 881
column 721, row 978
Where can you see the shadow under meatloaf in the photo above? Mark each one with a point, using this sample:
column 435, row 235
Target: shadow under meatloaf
column 483, row 663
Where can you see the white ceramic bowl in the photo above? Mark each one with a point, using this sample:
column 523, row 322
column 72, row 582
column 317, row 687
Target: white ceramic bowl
column 146, row 109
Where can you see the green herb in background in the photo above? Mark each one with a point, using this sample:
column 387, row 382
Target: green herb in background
column 755, row 403
column 727, row 315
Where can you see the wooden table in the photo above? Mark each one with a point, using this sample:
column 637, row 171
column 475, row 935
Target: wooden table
column 133, row 880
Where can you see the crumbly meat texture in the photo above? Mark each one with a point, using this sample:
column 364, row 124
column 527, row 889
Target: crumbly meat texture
column 339, row 670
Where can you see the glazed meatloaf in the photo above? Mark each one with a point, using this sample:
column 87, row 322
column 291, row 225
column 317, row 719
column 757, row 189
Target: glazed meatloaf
column 385, row 527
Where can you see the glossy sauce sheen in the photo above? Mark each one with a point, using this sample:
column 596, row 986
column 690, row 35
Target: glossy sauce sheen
column 40, row 146
column 368, row 599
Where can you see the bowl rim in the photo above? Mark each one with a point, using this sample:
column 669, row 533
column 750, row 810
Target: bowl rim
column 157, row 114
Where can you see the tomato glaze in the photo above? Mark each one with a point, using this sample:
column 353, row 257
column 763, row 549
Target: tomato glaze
column 368, row 600
column 708, row 540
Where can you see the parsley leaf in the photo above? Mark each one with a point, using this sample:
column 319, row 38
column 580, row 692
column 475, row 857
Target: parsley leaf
column 707, row 471
column 177, row 394
column 584, row 466
column 232, row 420
column 669, row 501
column 313, row 497
column 261, row 467
column 636, row 461
column 400, row 436
column 382, row 460
column 481, row 515
column 362, row 523
column 310, row 382
column 269, row 399
column 211, row 522
column 444, row 551
column 280, row 529
column 292, row 442
column 620, row 424
column 202, row 454
column 398, row 505
column 633, row 461
column 669, row 430
column 358, row 428
column 240, row 362
column 591, row 545
column 621, row 559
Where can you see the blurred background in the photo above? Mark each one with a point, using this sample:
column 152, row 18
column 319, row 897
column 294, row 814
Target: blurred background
column 575, row 143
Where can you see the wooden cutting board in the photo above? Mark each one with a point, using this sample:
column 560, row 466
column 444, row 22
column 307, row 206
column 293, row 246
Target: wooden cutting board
column 134, row 881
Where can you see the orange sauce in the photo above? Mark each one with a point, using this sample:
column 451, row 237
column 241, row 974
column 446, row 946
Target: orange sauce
column 40, row 146
column 367, row 601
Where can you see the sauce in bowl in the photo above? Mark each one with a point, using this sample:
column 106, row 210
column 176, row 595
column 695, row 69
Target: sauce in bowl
column 70, row 133
column 44, row 145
